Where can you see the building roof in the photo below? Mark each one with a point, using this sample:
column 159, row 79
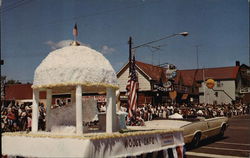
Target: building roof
column 154, row 72
column 186, row 77
column 220, row 73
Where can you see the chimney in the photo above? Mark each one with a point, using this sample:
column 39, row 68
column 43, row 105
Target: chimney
column 237, row 63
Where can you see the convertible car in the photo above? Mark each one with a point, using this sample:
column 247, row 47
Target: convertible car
column 194, row 129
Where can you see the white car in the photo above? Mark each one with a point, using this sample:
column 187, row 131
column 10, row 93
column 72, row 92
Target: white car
column 194, row 130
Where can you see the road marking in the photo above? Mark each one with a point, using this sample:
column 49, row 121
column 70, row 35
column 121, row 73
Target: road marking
column 233, row 143
column 207, row 147
column 241, row 128
column 244, row 119
column 189, row 153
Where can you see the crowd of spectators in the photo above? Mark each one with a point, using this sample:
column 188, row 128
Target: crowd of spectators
column 148, row 112
column 17, row 117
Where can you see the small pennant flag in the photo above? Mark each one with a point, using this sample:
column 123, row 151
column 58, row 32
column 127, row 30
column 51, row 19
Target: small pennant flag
column 75, row 31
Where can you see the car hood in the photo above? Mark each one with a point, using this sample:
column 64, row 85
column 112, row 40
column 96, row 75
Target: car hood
column 161, row 124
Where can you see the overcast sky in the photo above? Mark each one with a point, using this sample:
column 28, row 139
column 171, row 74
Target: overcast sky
column 30, row 29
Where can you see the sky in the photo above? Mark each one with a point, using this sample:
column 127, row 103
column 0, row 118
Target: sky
column 218, row 31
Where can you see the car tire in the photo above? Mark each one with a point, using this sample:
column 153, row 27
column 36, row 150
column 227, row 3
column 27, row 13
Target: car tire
column 222, row 131
column 196, row 140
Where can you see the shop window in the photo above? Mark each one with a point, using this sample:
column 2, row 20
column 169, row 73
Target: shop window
column 216, row 94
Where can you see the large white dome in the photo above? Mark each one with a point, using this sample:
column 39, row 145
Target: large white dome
column 74, row 65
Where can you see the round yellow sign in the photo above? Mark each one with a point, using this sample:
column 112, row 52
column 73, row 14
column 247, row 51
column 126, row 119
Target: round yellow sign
column 210, row 83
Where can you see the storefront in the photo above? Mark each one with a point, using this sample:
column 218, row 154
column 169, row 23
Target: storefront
column 157, row 85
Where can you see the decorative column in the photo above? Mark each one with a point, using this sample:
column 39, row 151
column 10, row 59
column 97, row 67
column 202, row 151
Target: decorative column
column 111, row 111
column 35, row 112
column 48, row 108
column 79, row 126
column 118, row 103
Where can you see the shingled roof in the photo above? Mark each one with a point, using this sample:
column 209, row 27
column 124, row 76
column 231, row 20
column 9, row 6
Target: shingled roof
column 187, row 77
column 154, row 72
column 220, row 73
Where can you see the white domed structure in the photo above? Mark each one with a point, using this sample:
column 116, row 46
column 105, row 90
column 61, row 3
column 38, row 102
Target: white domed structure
column 75, row 65
column 75, row 70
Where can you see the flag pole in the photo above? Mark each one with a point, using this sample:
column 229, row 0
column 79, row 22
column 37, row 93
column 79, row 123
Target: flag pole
column 75, row 38
column 130, row 52
column 75, row 34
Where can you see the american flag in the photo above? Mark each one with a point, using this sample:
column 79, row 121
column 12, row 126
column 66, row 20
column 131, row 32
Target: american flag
column 132, row 88
column 75, row 31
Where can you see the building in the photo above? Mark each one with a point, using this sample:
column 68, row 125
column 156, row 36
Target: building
column 154, row 85
column 21, row 93
column 230, row 82
column 244, row 83
column 225, row 88
column 189, row 85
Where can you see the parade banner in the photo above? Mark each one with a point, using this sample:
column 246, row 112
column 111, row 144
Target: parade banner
column 98, row 145
column 136, row 145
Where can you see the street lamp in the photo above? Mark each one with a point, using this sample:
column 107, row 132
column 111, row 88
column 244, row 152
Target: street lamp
column 183, row 33
column 176, row 34
column 130, row 43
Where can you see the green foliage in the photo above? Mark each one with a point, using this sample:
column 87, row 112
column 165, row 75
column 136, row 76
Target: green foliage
column 13, row 82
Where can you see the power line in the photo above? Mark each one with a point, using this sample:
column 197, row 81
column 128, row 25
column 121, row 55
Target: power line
column 111, row 10
column 11, row 4
column 14, row 5
column 85, row 16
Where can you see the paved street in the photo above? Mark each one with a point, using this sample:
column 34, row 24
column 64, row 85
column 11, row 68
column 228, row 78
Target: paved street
column 236, row 142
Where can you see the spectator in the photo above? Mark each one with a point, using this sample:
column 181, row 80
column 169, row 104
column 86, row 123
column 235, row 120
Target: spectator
column 29, row 122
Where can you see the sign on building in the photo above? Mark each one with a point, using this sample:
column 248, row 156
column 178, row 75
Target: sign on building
column 245, row 90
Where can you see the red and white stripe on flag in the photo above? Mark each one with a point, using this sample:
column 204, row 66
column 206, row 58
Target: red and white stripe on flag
column 177, row 152
column 132, row 88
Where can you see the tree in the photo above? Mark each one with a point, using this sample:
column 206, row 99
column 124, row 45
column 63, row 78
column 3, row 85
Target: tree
column 3, row 80
column 13, row 82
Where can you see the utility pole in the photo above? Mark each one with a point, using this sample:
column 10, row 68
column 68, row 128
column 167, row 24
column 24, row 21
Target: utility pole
column 130, row 53
column 249, row 52
column 248, row 39
column 204, row 84
column 197, row 55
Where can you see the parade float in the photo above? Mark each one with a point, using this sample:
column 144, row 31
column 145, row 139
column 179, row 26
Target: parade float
column 79, row 70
